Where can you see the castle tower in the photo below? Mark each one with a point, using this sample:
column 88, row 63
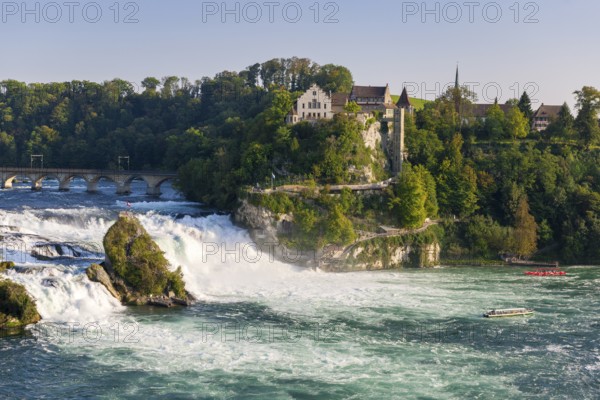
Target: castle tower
column 405, row 103
column 398, row 151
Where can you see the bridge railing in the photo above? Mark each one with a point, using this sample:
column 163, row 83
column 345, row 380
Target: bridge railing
column 77, row 171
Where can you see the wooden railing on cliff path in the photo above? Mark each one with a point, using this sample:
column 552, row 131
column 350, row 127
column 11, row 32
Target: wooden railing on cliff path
column 297, row 189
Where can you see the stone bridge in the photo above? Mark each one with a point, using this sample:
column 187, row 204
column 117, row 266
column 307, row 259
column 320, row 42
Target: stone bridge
column 122, row 179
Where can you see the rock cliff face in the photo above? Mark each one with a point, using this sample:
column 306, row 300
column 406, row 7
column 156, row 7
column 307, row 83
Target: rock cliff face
column 135, row 270
column 373, row 137
column 378, row 141
column 266, row 228
column 385, row 254
column 17, row 308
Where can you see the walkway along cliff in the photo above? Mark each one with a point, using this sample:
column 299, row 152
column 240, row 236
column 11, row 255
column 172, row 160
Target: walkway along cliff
column 370, row 251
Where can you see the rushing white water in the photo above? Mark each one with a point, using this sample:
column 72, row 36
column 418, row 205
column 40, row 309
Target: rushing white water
column 64, row 294
column 218, row 259
column 219, row 262
column 276, row 328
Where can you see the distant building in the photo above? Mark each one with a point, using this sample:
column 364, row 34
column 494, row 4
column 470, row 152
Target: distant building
column 543, row 116
column 339, row 102
column 480, row 111
column 315, row 104
column 373, row 98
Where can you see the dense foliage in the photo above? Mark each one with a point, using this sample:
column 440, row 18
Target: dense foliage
column 225, row 124
column 514, row 193
column 507, row 188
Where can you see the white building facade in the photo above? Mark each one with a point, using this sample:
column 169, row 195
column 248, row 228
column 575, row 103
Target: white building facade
column 315, row 104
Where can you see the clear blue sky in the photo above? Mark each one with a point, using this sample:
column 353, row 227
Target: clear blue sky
column 375, row 39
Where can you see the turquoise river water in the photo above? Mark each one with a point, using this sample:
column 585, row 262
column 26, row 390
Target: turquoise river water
column 267, row 330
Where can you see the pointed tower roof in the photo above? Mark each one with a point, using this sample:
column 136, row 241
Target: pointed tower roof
column 404, row 100
column 456, row 82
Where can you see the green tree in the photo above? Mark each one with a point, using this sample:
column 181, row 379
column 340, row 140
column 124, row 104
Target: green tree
column 335, row 79
column 588, row 104
column 495, row 122
column 253, row 75
column 150, row 85
column 456, row 182
column 564, row 125
column 7, row 150
column 524, row 105
column 255, row 163
column 281, row 105
column 352, row 107
column 170, row 86
column 485, row 237
column 428, row 182
column 525, row 231
column 409, row 198
column 338, row 228
column 517, row 125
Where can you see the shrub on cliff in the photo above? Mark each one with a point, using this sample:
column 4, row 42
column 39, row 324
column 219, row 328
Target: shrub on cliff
column 4, row 265
column 16, row 307
column 139, row 261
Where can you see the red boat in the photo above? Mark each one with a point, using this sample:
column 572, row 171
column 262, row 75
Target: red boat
column 546, row 272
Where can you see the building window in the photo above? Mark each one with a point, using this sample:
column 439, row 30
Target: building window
column 314, row 93
column 325, row 106
column 325, row 115
column 303, row 105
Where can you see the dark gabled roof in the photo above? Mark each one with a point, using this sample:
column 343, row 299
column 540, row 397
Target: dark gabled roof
column 339, row 99
column 481, row 110
column 369, row 91
column 404, row 101
column 547, row 111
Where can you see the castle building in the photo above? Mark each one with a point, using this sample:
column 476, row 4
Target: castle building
column 315, row 104
column 373, row 98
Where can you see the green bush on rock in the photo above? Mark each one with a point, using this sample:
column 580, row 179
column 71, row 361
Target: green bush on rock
column 137, row 259
column 17, row 308
column 4, row 265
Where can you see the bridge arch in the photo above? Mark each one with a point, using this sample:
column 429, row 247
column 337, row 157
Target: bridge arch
column 8, row 180
column 92, row 182
column 154, row 183
column 36, row 180
column 67, row 179
column 122, row 179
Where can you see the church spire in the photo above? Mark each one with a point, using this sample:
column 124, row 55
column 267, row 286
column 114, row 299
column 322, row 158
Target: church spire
column 456, row 83
column 456, row 93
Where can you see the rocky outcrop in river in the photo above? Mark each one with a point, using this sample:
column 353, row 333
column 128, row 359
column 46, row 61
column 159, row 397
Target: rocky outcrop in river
column 135, row 270
column 17, row 308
